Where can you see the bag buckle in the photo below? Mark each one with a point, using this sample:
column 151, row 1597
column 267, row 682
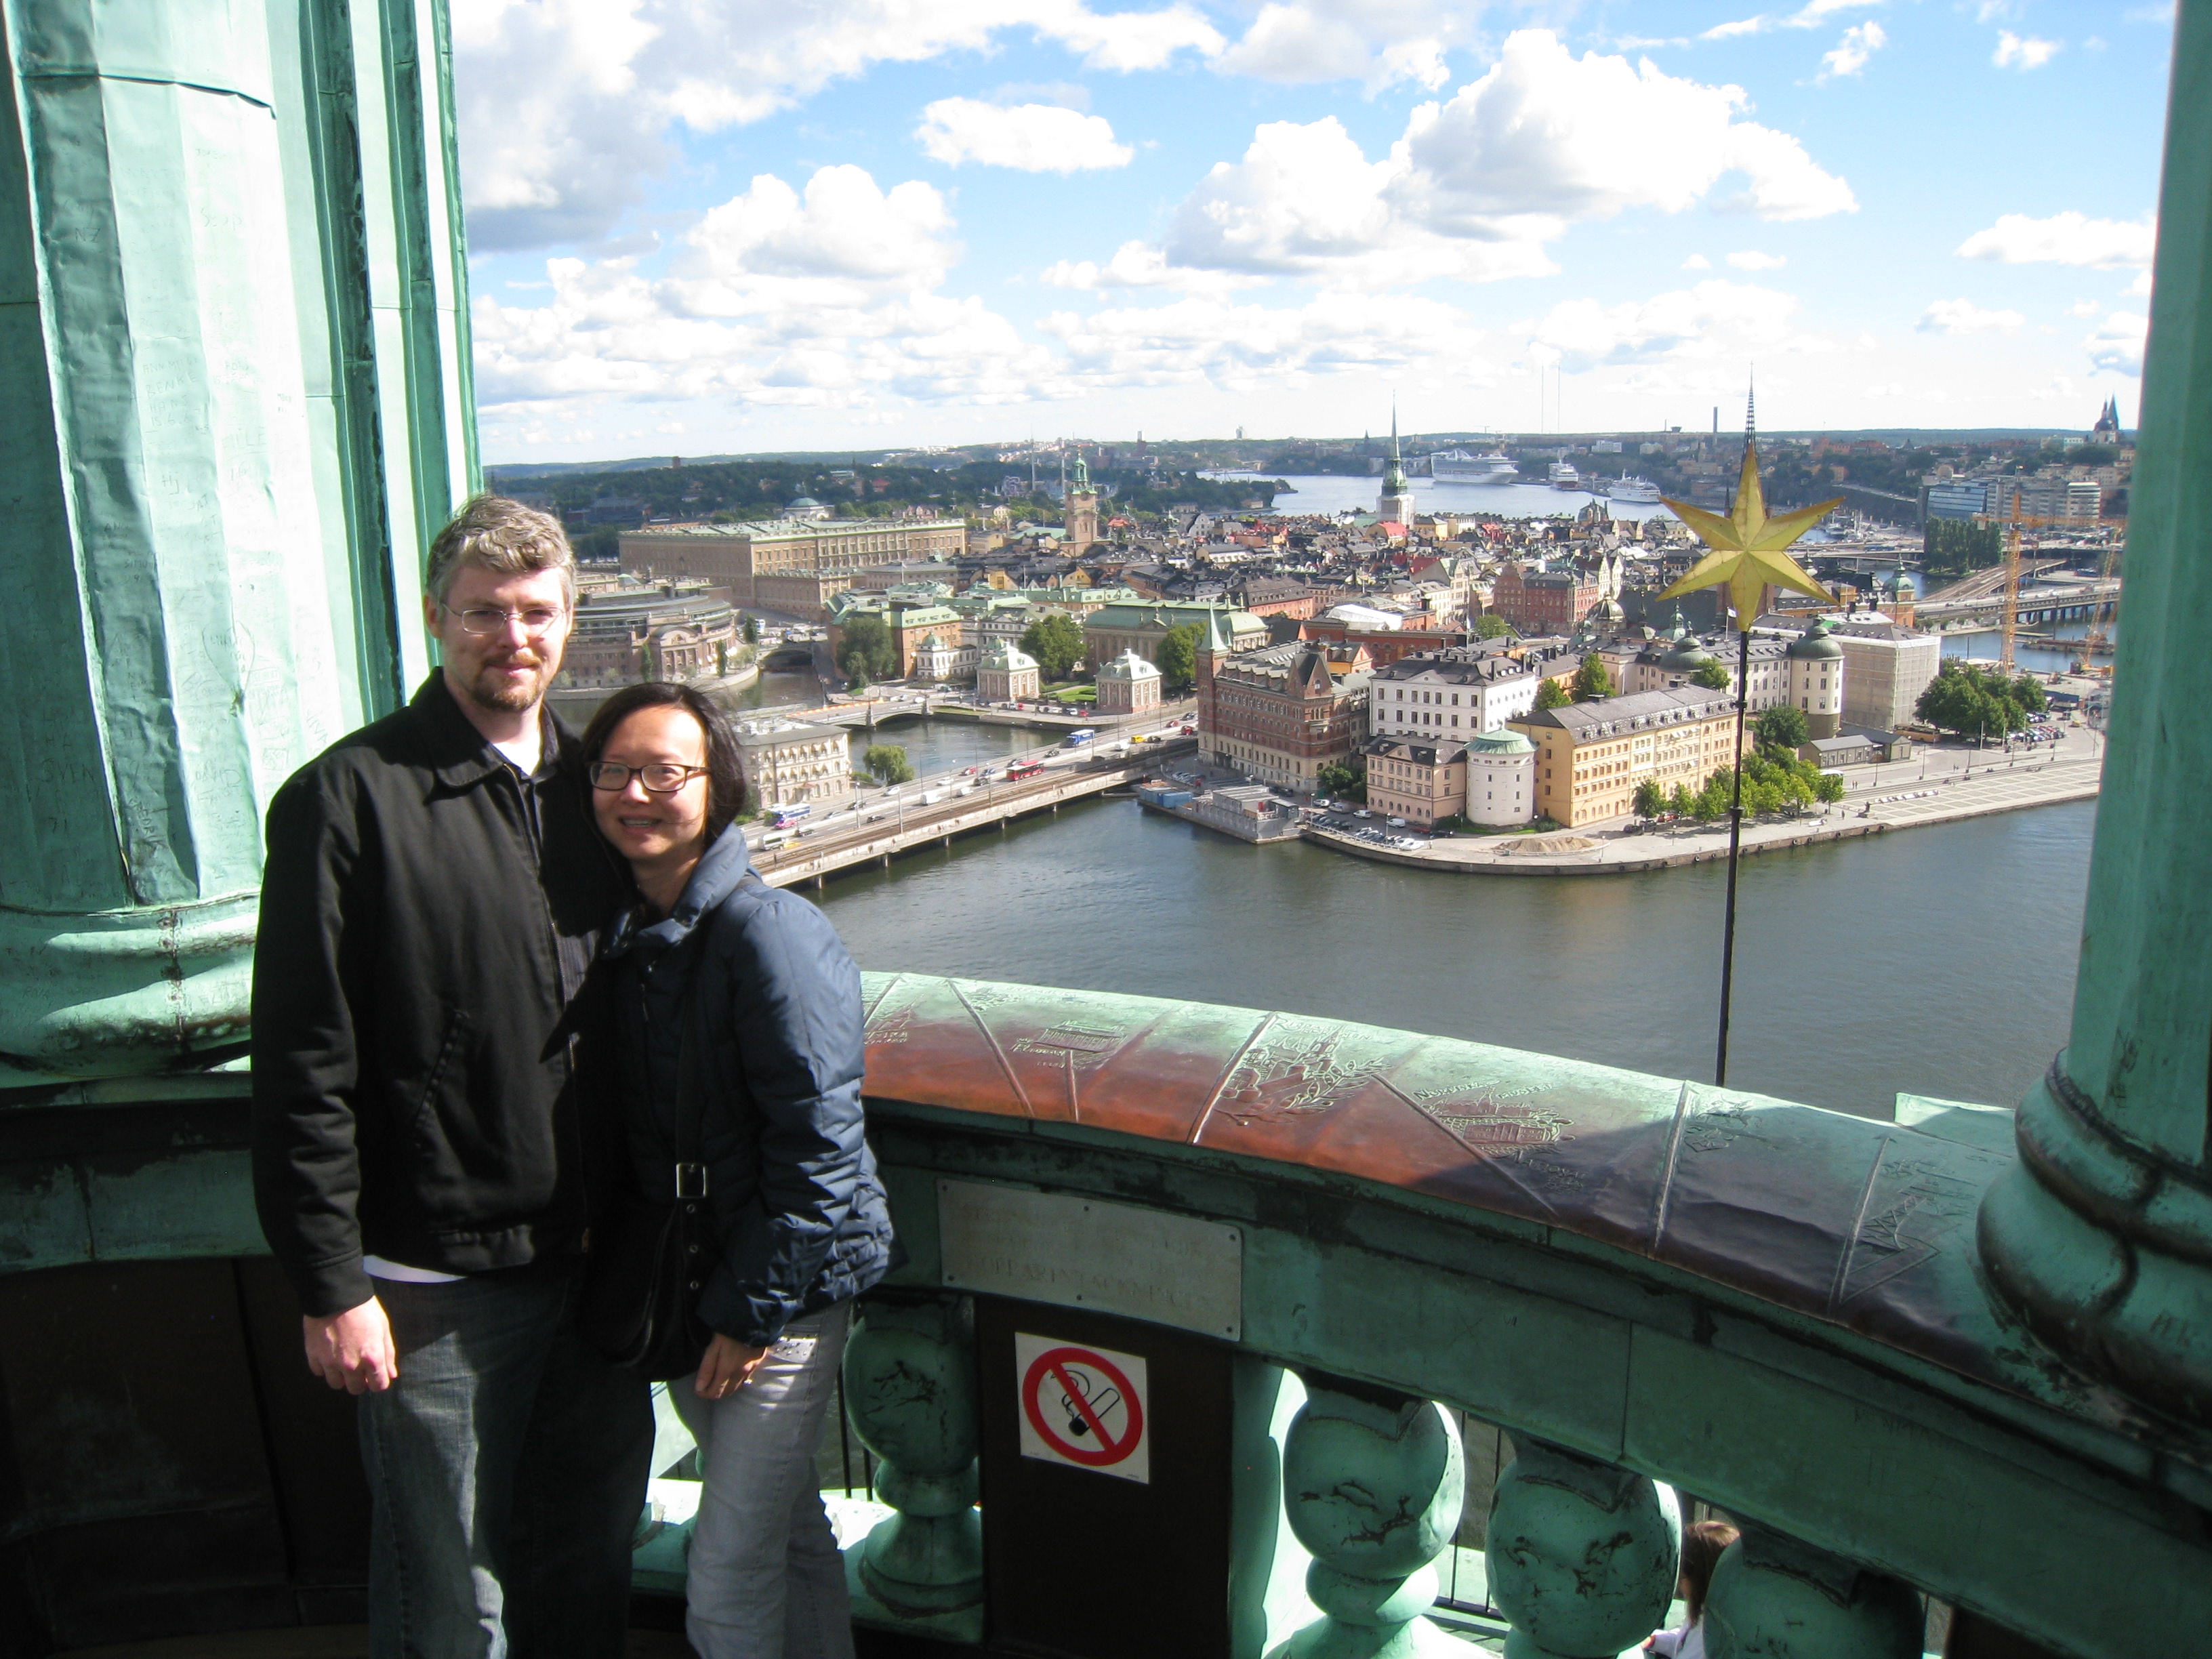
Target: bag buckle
column 690, row 1181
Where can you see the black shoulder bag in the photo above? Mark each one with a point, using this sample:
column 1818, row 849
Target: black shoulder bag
column 641, row 1298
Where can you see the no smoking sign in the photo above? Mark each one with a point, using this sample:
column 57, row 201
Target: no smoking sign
column 1084, row 1407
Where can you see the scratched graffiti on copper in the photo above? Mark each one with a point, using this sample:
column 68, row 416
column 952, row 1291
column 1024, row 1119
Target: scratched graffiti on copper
column 890, row 1025
column 1296, row 1070
column 1920, row 1203
column 1085, row 1046
column 1495, row 1125
column 1717, row 1128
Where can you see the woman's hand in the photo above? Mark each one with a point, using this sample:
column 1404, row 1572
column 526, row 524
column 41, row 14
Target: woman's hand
column 728, row 1365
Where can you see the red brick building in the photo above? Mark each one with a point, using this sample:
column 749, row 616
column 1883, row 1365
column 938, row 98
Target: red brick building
column 1279, row 714
column 1383, row 645
column 1536, row 600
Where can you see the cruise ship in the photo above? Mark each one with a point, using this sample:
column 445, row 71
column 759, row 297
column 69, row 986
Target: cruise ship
column 1457, row 466
column 1632, row 489
column 1564, row 476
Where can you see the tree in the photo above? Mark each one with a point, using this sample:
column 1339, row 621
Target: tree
column 752, row 630
column 1178, row 658
column 1056, row 641
column 887, row 763
column 1550, row 693
column 1680, row 803
column 1974, row 702
column 1651, row 799
column 1713, row 678
column 1782, row 727
column 1492, row 626
column 866, row 651
column 1591, row 679
column 1341, row 781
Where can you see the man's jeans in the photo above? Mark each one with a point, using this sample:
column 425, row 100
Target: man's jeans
column 765, row 1579
column 508, row 1467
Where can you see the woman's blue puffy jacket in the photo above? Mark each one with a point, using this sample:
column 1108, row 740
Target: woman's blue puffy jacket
column 798, row 1207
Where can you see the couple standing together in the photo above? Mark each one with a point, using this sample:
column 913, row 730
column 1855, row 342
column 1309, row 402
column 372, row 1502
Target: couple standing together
column 506, row 981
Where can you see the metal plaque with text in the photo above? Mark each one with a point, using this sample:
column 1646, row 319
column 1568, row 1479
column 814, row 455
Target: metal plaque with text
column 1080, row 1252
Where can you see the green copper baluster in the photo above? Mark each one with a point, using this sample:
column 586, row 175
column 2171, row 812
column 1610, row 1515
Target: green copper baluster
column 1775, row 1598
column 1582, row 1556
column 1373, row 1482
column 910, row 1391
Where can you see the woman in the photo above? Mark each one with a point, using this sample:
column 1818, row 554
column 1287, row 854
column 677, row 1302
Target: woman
column 759, row 984
column 1703, row 1543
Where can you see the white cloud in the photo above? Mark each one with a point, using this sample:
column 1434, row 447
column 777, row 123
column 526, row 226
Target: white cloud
column 1964, row 317
column 1848, row 55
column 1753, row 260
column 1480, row 182
column 565, row 105
column 1244, row 347
column 1697, row 261
column 2084, row 308
column 2064, row 238
column 1809, row 16
column 1031, row 137
column 1377, row 42
column 2140, row 287
column 2117, row 343
column 1714, row 324
column 2023, row 51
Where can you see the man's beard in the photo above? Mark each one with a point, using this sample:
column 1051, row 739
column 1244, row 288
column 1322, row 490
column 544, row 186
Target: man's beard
column 510, row 698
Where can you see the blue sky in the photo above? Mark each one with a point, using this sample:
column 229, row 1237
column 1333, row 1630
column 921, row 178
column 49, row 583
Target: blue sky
column 705, row 226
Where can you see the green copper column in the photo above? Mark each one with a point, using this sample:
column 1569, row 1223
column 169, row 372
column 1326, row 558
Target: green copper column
column 232, row 397
column 2102, row 1234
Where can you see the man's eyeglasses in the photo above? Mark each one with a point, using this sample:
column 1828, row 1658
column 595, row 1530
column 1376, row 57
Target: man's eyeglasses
column 660, row 777
column 484, row 621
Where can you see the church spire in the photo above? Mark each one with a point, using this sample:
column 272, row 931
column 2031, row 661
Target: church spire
column 1393, row 475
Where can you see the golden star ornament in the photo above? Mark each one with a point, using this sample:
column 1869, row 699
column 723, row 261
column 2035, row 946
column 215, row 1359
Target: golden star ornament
column 1748, row 547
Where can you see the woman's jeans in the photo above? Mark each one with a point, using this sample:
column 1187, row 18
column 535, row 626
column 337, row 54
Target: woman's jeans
column 508, row 1467
column 765, row 1579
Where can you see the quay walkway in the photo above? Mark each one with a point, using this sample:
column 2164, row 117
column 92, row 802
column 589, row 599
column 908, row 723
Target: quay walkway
column 1612, row 850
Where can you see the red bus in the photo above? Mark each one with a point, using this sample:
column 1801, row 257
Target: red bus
column 1021, row 769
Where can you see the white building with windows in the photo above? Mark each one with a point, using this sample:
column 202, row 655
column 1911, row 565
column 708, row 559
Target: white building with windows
column 1450, row 695
column 1501, row 779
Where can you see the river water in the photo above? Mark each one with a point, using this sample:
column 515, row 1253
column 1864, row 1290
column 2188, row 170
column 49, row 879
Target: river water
column 1936, row 961
column 1328, row 494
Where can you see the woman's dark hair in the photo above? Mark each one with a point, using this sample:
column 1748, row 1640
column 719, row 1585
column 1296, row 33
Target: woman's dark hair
column 1703, row 1542
column 725, row 764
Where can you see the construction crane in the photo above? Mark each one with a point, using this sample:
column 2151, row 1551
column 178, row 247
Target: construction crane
column 2098, row 639
column 2010, row 624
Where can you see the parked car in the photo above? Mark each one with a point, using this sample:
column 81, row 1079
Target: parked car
column 1397, row 823
column 1361, row 812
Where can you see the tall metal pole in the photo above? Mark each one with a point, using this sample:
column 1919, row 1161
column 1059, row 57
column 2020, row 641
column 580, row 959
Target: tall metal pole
column 1735, row 848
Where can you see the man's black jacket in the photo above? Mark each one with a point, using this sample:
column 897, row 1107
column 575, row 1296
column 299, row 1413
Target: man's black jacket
column 432, row 1056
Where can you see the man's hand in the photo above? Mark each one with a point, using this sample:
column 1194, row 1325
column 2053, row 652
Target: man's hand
column 729, row 1362
column 353, row 1350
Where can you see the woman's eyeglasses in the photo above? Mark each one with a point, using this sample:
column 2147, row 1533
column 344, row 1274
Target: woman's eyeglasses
column 659, row 777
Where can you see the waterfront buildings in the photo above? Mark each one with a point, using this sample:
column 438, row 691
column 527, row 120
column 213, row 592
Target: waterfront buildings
column 1782, row 667
column 1501, row 779
column 1128, row 685
column 788, row 762
column 793, row 566
column 1281, row 714
column 1591, row 756
column 1886, row 666
column 628, row 628
column 1423, row 782
column 1452, row 693
column 1006, row 674
column 910, row 621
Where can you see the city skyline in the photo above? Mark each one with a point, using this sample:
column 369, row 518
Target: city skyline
column 699, row 226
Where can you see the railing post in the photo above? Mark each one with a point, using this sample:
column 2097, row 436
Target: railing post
column 2101, row 1234
column 1373, row 1482
column 1776, row 1598
column 909, row 1378
column 1582, row 1556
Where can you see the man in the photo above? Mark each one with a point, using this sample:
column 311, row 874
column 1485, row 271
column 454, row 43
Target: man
column 434, row 1127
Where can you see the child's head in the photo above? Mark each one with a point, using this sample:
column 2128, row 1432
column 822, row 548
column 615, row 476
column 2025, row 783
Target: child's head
column 1702, row 1544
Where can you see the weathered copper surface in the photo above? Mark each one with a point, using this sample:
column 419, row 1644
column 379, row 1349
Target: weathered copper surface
column 1862, row 1224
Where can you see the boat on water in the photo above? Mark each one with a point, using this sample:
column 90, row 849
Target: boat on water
column 1457, row 466
column 1564, row 476
column 1633, row 488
